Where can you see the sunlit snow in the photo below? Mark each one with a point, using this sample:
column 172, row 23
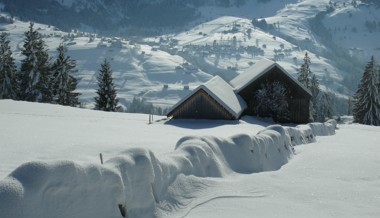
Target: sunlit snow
column 182, row 168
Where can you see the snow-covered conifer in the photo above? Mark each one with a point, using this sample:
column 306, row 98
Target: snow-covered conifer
column 349, row 105
column 367, row 100
column 315, row 91
column 271, row 101
column 63, row 83
column 8, row 70
column 305, row 78
column 325, row 108
column 310, row 81
column 106, row 99
column 314, row 86
column 35, row 72
column 304, row 73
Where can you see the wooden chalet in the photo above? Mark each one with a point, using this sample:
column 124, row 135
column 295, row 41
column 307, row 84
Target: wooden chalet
column 218, row 99
column 213, row 100
column 298, row 96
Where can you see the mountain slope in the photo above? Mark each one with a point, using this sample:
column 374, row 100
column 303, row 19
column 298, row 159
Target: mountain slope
column 110, row 16
column 221, row 41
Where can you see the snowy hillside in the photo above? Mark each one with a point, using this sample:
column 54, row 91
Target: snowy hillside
column 139, row 70
column 212, row 172
column 293, row 27
column 222, row 41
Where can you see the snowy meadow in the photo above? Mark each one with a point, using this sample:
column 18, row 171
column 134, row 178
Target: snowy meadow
column 181, row 168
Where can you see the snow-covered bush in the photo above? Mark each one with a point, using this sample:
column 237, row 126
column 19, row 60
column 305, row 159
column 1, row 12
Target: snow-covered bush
column 271, row 101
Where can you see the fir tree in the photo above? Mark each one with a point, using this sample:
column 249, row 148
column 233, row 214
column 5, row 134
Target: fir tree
column 8, row 70
column 304, row 73
column 306, row 78
column 315, row 91
column 354, row 3
column 367, row 100
column 314, row 86
column 326, row 106
column 64, row 84
column 349, row 105
column 35, row 70
column 106, row 99
column 140, row 105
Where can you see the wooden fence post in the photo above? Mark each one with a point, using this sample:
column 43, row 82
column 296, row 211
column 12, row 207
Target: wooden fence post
column 101, row 158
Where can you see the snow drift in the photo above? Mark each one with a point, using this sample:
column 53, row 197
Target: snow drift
column 132, row 183
column 304, row 134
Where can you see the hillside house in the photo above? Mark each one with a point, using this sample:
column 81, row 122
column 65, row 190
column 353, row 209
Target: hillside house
column 218, row 99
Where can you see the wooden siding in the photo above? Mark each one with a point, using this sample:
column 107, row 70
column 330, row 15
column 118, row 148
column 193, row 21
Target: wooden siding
column 299, row 110
column 201, row 106
column 298, row 100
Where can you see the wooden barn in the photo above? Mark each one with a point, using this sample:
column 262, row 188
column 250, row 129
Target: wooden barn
column 298, row 96
column 213, row 100
column 218, row 99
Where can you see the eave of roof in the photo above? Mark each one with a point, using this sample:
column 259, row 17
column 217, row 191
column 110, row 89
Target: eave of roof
column 256, row 71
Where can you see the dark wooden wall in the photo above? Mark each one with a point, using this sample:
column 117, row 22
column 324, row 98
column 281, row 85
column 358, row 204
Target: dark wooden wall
column 298, row 99
column 201, row 106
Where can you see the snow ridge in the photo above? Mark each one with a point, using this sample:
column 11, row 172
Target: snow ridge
column 135, row 182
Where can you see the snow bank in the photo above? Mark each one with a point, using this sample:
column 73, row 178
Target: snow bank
column 60, row 189
column 132, row 183
column 303, row 134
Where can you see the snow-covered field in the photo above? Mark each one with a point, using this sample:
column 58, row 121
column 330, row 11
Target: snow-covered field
column 43, row 132
column 219, row 168
column 50, row 155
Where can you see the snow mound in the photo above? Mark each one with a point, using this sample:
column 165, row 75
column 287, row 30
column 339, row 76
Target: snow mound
column 134, row 182
column 60, row 189
column 303, row 134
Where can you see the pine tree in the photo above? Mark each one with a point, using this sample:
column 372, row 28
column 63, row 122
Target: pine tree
column 63, row 83
column 304, row 73
column 314, row 86
column 349, row 105
column 315, row 91
column 35, row 75
column 106, row 99
column 8, row 70
column 305, row 77
column 367, row 100
column 354, row 3
column 325, row 107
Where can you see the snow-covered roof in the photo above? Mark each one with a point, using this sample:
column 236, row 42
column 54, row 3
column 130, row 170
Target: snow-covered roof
column 223, row 93
column 256, row 71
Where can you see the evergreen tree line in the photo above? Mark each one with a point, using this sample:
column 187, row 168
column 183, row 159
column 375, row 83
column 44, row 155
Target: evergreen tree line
column 38, row 79
column 366, row 101
column 322, row 104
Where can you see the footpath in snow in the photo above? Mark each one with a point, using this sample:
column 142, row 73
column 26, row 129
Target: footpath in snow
column 135, row 183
